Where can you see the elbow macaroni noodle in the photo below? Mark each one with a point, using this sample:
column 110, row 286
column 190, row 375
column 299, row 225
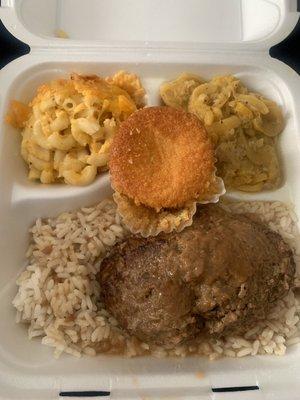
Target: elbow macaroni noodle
column 70, row 124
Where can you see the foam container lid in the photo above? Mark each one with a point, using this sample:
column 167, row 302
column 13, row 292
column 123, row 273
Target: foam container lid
column 157, row 40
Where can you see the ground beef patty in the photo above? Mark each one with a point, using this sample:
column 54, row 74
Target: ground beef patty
column 217, row 277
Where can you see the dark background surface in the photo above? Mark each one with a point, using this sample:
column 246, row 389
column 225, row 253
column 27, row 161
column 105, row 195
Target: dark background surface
column 287, row 51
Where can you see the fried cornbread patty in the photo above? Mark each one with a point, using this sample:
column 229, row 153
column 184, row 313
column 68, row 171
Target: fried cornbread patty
column 161, row 157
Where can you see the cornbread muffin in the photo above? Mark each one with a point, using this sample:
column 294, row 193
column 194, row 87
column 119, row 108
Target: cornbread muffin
column 161, row 163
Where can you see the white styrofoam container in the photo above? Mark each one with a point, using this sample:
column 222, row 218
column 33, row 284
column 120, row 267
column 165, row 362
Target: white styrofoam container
column 157, row 39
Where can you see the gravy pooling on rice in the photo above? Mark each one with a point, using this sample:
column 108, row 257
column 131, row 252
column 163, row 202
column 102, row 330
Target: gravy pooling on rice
column 207, row 279
column 58, row 293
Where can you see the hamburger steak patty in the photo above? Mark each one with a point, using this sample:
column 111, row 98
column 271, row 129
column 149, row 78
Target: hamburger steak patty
column 218, row 276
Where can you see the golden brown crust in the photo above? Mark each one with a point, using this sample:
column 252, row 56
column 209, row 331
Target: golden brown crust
column 61, row 86
column 131, row 84
column 162, row 157
column 18, row 114
column 93, row 88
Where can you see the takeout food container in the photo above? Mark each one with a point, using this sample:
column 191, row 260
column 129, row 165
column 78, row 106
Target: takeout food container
column 156, row 40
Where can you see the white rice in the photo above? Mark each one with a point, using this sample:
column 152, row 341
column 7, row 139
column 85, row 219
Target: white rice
column 58, row 294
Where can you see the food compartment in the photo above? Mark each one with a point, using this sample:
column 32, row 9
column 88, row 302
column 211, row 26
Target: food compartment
column 22, row 202
column 24, row 87
column 26, row 200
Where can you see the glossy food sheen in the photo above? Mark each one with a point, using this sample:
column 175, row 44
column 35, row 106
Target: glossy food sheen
column 218, row 276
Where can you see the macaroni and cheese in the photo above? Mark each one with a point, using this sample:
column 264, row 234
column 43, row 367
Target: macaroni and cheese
column 68, row 127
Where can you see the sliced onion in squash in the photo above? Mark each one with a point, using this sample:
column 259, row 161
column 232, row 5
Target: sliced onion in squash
column 270, row 124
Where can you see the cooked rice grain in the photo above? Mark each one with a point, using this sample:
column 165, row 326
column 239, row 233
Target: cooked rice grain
column 58, row 294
